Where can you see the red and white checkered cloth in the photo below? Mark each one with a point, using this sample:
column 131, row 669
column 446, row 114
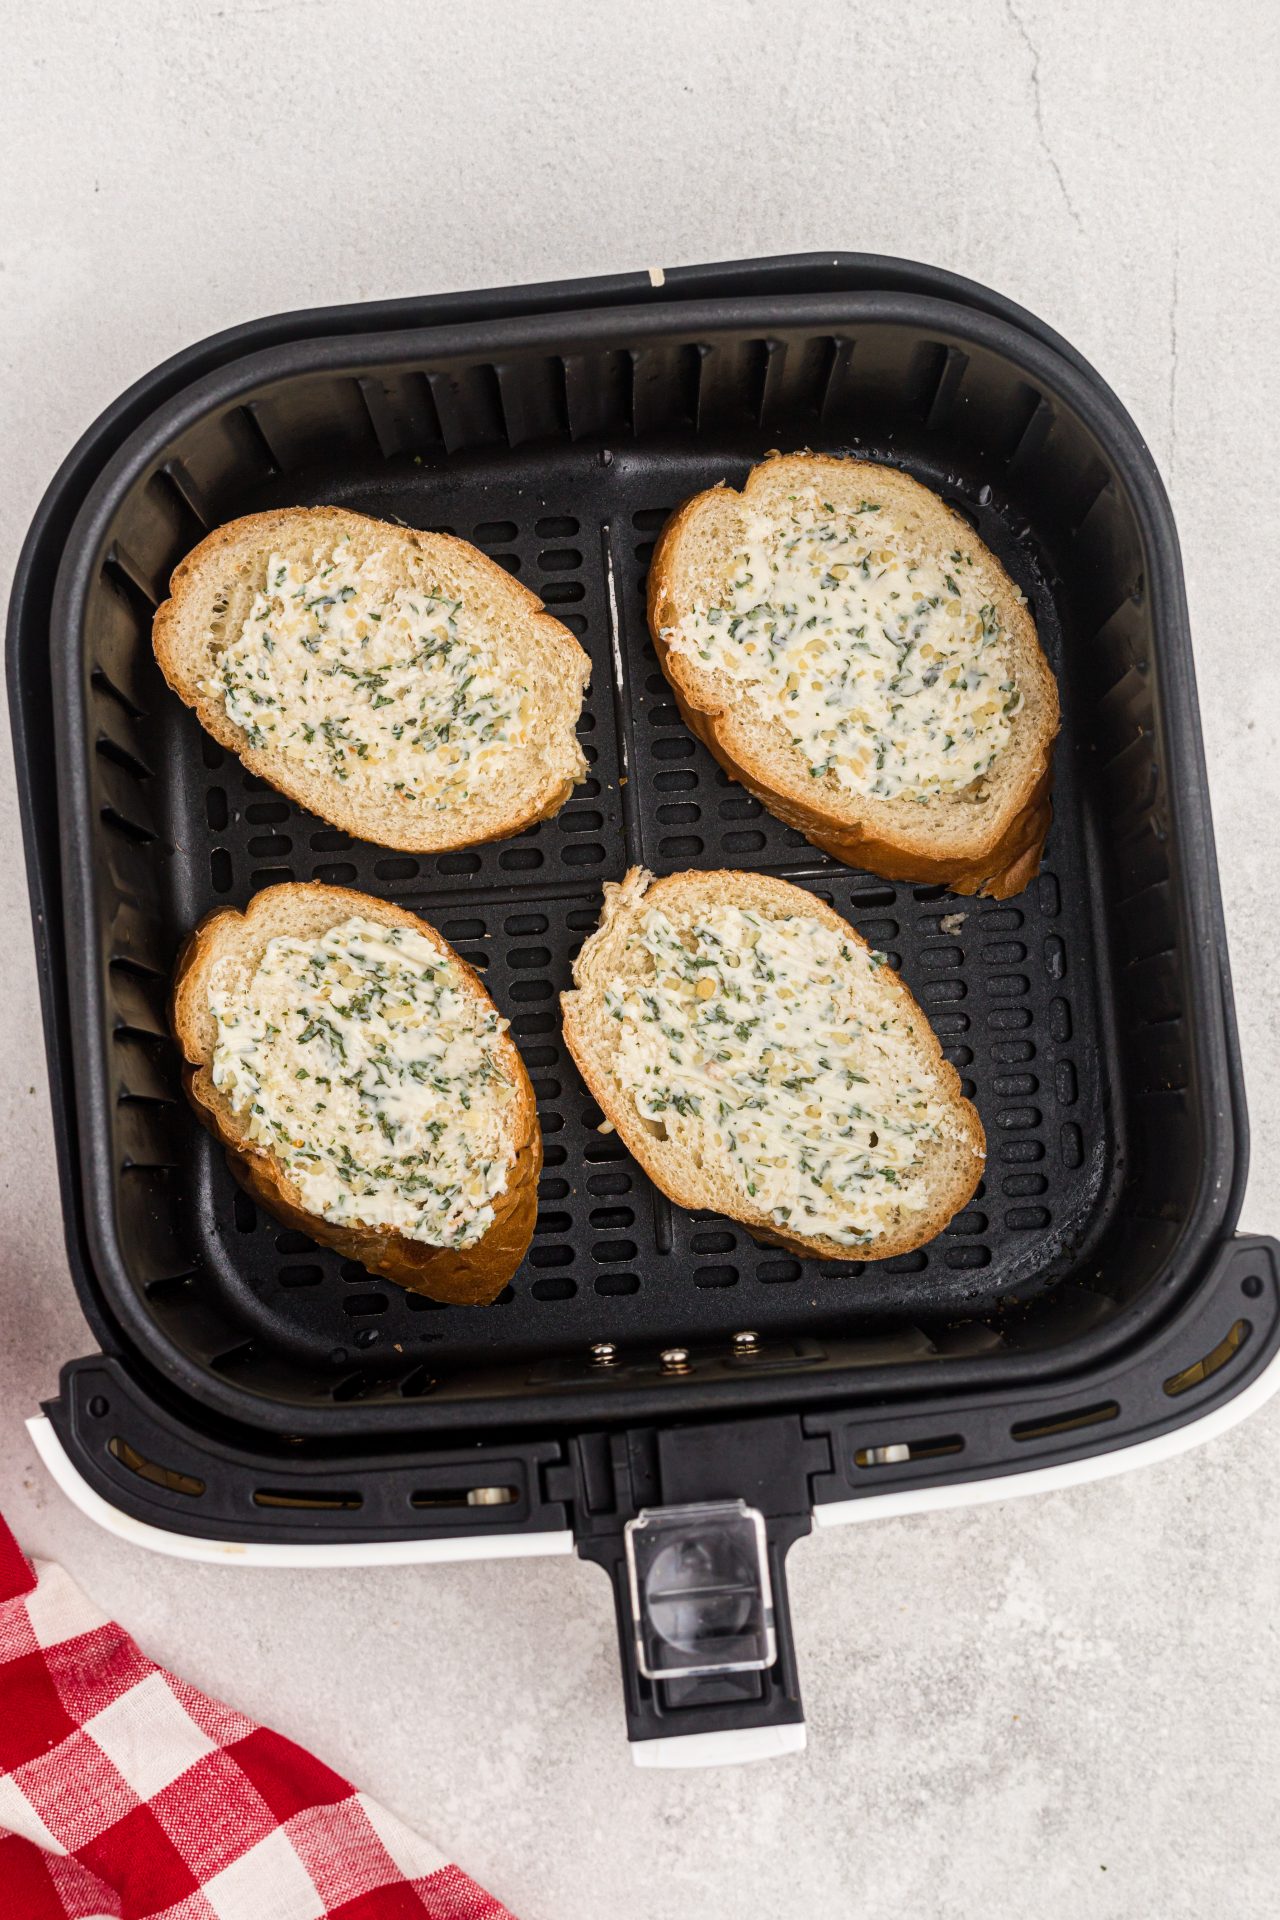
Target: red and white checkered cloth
column 125, row 1794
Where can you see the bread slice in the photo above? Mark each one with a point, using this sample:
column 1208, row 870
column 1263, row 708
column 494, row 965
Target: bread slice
column 925, row 820
column 854, row 1052
column 222, row 958
column 362, row 629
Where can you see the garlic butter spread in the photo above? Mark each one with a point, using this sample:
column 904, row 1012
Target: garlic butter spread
column 774, row 1049
column 353, row 676
column 374, row 1077
column 887, row 665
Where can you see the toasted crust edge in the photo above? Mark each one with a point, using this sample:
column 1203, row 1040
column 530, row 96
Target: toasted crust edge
column 999, row 866
column 631, row 1131
column 460, row 1276
column 269, row 767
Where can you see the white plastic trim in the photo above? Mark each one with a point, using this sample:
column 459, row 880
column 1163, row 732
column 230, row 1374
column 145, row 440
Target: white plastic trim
column 1067, row 1473
column 262, row 1553
column 731, row 1747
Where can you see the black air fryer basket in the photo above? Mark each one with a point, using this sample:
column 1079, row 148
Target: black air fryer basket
column 654, row 1386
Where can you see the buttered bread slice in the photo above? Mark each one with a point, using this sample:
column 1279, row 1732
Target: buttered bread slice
column 851, row 651
column 399, row 684
column 364, row 1084
column 759, row 1059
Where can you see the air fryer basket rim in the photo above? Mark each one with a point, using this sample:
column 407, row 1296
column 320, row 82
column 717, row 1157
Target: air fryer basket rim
column 1209, row 1220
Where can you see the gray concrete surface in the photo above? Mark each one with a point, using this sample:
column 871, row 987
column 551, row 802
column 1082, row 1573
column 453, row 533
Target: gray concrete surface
column 1064, row 1707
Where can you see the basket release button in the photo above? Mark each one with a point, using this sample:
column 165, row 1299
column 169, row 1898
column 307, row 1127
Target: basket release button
column 701, row 1597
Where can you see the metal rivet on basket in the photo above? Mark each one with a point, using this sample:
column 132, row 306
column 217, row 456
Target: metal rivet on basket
column 675, row 1359
column 604, row 1353
column 746, row 1342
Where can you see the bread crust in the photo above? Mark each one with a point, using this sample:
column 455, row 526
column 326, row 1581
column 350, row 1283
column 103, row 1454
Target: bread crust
column 183, row 662
column 890, row 838
column 625, row 902
column 462, row 1276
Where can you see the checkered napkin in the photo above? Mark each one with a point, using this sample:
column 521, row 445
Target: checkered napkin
column 127, row 1795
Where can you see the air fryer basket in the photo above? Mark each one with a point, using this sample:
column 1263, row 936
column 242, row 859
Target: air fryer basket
column 1088, row 1296
column 1077, row 1012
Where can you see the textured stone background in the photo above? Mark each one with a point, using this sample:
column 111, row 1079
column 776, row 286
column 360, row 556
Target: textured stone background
column 1065, row 1706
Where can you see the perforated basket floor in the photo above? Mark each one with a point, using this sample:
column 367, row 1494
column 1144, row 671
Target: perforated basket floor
column 563, row 465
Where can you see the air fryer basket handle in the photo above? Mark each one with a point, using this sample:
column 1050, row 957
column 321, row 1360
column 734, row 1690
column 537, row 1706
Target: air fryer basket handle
column 692, row 1525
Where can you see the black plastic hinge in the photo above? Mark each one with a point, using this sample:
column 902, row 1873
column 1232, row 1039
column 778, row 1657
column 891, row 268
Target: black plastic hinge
column 718, row 1477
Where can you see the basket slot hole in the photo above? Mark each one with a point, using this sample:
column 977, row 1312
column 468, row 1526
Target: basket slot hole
column 302, row 1276
column 873, row 896
column 542, row 1257
column 416, row 1383
column 129, row 576
column 495, row 533
column 128, row 829
column 716, row 1277
column 606, row 1219
column 606, row 1252
column 464, row 1496
column 360, row 1305
column 650, row 519
column 119, row 756
column 151, row 1471
column 897, row 1453
column 555, row 1287
column 617, row 1283
column 559, row 560
column 1230, row 1343
column 713, row 1242
column 269, row 813
column 317, row 1500
column 778, row 1272
column 1065, row 1422
column 556, row 527
column 959, row 1258
column 102, row 683
column 605, row 1183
